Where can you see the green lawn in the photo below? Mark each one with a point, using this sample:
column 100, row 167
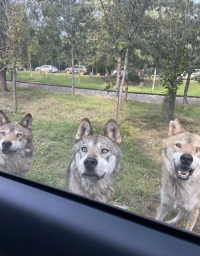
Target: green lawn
column 97, row 83
column 56, row 117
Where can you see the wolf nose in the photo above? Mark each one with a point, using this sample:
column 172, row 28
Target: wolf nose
column 90, row 162
column 6, row 144
column 186, row 159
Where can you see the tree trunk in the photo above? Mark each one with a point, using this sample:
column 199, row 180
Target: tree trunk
column 168, row 108
column 154, row 79
column 51, row 73
column 126, row 90
column 119, row 63
column 30, row 66
column 3, row 82
column 123, row 78
column 44, row 69
column 185, row 101
column 106, row 71
column 126, row 86
column 14, row 89
column 141, row 77
column 31, row 70
column 73, row 83
column 79, row 71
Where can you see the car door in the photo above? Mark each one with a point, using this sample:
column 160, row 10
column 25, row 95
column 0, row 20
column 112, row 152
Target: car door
column 76, row 68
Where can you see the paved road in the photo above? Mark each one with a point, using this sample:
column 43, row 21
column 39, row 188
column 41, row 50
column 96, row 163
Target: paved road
column 150, row 98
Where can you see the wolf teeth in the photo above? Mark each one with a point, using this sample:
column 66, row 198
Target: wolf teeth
column 183, row 175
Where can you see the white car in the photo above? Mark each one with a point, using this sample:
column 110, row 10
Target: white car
column 78, row 68
column 115, row 71
column 193, row 75
column 48, row 68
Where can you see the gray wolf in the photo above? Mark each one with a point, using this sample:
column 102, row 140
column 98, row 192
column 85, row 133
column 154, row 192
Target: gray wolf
column 96, row 162
column 180, row 185
column 16, row 145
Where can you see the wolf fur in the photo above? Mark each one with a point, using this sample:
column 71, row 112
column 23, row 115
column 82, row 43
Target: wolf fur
column 180, row 186
column 16, row 145
column 96, row 162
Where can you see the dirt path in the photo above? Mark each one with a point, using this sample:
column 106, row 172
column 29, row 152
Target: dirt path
column 150, row 98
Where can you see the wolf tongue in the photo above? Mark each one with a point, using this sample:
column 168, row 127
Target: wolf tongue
column 184, row 172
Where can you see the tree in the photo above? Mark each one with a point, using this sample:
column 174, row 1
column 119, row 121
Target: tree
column 191, row 35
column 169, row 39
column 3, row 38
column 122, row 20
column 15, row 34
column 74, row 17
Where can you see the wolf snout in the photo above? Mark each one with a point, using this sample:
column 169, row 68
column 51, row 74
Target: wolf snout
column 7, row 144
column 186, row 159
column 90, row 162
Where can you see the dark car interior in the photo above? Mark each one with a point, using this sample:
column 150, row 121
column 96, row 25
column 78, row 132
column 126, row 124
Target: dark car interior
column 39, row 220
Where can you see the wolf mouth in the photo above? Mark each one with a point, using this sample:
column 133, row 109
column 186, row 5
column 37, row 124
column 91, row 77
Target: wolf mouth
column 7, row 151
column 94, row 176
column 183, row 172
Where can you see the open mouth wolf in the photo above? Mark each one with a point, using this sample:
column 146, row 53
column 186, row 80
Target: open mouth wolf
column 184, row 170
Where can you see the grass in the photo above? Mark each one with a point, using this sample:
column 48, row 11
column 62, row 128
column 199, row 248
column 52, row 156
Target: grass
column 97, row 83
column 56, row 119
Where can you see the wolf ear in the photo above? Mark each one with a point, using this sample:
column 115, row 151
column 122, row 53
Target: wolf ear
column 26, row 122
column 112, row 131
column 175, row 128
column 84, row 129
column 3, row 118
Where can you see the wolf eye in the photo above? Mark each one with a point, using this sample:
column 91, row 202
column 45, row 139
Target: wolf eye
column 3, row 133
column 19, row 134
column 104, row 151
column 197, row 149
column 178, row 145
column 84, row 149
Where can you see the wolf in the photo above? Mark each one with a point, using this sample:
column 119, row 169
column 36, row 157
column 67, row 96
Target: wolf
column 16, row 145
column 96, row 161
column 180, row 185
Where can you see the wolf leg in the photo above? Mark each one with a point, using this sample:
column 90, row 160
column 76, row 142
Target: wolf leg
column 162, row 211
column 192, row 218
column 176, row 219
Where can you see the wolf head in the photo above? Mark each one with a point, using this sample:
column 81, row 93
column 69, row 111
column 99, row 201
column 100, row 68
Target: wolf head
column 97, row 156
column 182, row 151
column 15, row 137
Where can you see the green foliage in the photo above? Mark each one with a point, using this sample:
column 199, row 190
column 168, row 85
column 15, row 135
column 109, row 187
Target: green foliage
column 110, row 81
column 173, row 67
column 133, row 76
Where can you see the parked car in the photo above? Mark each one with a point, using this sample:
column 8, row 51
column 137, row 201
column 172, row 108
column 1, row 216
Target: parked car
column 20, row 67
column 48, row 68
column 115, row 71
column 77, row 68
column 193, row 75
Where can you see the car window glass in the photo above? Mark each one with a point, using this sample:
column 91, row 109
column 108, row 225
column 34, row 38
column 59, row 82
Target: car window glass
column 158, row 46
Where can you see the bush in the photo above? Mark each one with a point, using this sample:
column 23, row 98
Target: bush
column 110, row 81
column 133, row 76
